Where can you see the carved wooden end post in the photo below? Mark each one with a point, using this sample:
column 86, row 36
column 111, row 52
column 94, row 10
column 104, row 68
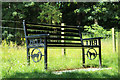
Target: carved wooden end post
column 28, row 53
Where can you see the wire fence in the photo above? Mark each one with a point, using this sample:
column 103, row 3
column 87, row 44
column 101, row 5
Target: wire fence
column 13, row 31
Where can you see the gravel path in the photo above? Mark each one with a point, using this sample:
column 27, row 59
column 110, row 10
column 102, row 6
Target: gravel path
column 84, row 69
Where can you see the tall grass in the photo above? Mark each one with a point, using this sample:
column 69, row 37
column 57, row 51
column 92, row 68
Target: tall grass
column 14, row 63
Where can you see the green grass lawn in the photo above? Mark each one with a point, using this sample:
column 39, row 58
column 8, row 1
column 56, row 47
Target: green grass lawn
column 14, row 63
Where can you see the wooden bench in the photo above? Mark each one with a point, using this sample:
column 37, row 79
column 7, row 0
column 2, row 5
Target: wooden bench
column 45, row 35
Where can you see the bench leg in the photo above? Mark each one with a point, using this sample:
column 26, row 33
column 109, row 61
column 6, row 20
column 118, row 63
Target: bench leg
column 28, row 57
column 100, row 61
column 45, row 53
column 45, row 58
column 83, row 57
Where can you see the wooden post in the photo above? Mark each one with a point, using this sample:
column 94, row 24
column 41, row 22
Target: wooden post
column 1, row 23
column 113, row 40
column 63, row 49
column 118, row 53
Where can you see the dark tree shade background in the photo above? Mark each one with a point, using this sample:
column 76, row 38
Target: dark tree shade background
column 104, row 14
column 70, row 13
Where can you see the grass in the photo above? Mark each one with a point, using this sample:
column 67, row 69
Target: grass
column 14, row 63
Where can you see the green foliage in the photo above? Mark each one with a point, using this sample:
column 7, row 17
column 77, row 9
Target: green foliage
column 29, row 4
column 14, row 13
column 5, row 34
column 31, row 11
column 7, row 37
column 49, row 14
column 18, row 38
column 10, row 37
column 106, row 14
column 98, row 31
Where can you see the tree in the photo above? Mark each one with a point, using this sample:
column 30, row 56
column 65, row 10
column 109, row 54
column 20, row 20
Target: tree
column 49, row 14
column 31, row 12
column 100, row 13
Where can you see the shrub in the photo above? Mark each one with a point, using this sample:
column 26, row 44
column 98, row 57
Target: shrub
column 98, row 31
column 12, row 37
column 7, row 37
column 18, row 38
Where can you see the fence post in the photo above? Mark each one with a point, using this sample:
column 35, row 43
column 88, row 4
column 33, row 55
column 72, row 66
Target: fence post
column 0, row 22
column 114, row 40
column 118, row 52
column 63, row 49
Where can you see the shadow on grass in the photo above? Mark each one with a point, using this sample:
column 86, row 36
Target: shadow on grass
column 47, row 74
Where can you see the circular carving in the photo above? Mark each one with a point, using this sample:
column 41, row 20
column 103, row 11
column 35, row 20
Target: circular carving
column 91, row 53
column 36, row 55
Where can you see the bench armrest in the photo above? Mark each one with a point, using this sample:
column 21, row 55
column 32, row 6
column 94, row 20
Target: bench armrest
column 37, row 36
column 93, row 38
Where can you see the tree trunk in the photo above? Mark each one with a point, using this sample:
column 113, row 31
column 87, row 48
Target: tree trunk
column 95, row 21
